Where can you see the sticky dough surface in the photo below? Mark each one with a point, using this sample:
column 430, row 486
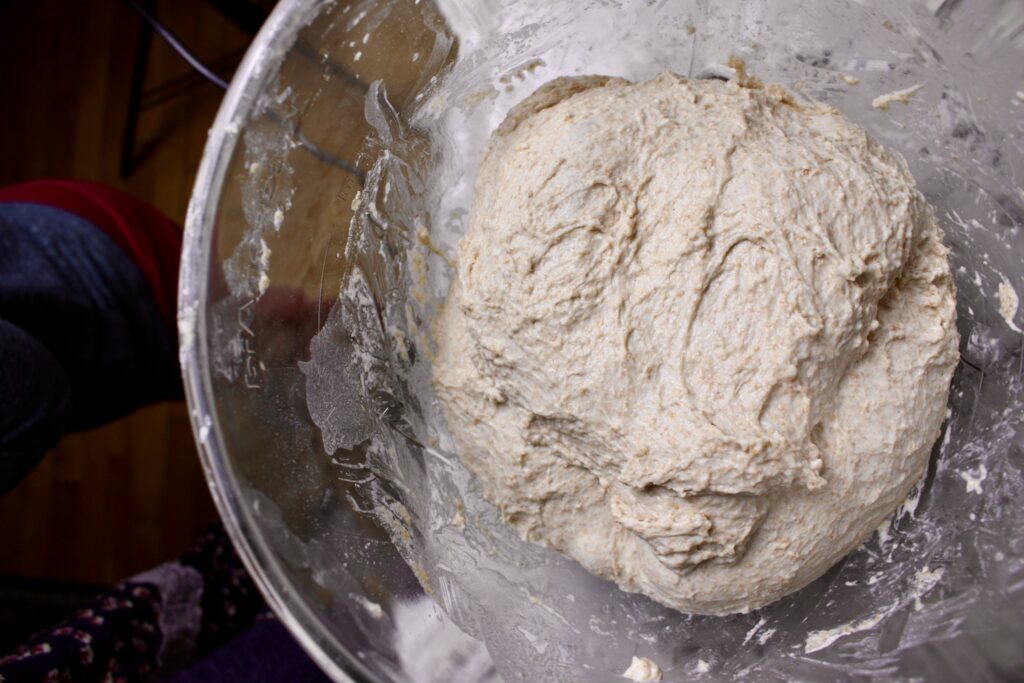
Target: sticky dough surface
column 700, row 337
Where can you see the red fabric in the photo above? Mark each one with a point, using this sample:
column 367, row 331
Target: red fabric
column 151, row 239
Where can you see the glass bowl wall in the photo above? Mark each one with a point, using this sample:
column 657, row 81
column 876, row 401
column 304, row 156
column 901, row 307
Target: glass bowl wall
column 328, row 204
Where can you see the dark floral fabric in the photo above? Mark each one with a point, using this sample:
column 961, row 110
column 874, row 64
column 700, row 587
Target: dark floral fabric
column 230, row 599
column 114, row 640
column 117, row 639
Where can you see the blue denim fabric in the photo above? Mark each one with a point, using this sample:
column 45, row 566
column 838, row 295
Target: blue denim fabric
column 81, row 339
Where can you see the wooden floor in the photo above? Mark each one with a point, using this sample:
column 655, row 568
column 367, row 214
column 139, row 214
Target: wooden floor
column 120, row 499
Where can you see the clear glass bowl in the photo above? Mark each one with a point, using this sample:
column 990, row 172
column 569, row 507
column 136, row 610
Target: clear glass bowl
column 328, row 205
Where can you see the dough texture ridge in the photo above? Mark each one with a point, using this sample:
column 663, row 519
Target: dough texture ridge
column 700, row 336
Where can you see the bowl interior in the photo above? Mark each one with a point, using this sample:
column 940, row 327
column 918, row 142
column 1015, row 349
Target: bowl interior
column 319, row 245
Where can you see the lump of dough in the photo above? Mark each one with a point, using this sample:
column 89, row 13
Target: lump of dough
column 700, row 337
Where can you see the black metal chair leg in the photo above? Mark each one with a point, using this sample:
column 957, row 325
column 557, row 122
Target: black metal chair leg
column 135, row 95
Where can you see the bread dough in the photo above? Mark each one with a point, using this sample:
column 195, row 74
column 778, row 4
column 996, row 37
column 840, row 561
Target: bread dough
column 643, row 670
column 700, row 337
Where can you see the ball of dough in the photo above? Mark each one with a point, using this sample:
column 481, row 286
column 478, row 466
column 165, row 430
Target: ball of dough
column 701, row 335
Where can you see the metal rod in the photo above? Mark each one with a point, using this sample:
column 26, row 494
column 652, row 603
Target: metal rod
column 135, row 100
column 173, row 41
column 174, row 87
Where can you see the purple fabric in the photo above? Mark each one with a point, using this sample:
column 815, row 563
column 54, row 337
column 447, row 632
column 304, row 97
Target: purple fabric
column 181, row 589
column 230, row 600
column 264, row 653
